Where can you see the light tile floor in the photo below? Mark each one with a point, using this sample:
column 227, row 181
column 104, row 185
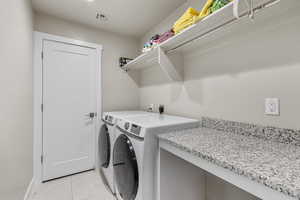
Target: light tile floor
column 84, row 186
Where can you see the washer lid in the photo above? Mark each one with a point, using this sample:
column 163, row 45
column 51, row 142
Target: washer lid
column 112, row 117
column 157, row 120
column 140, row 125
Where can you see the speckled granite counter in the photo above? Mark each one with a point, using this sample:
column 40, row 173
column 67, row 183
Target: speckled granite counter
column 274, row 164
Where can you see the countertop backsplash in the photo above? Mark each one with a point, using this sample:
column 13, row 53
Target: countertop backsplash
column 286, row 136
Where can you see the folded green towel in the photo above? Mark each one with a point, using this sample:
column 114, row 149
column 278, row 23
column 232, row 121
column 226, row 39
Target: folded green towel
column 218, row 4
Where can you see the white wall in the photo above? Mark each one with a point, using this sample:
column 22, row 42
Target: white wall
column 231, row 79
column 217, row 189
column 16, row 98
column 120, row 91
column 180, row 180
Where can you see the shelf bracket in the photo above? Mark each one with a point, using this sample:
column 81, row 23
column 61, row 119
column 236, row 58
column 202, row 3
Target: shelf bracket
column 249, row 5
column 168, row 67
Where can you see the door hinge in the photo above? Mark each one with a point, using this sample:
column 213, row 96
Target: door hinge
column 42, row 55
column 42, row 107
column 42, row 159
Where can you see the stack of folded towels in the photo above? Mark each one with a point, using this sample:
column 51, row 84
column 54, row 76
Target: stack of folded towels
column 157, row 39
column 192, row 16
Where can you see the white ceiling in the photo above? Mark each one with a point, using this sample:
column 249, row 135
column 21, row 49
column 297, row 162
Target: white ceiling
column 129, row 17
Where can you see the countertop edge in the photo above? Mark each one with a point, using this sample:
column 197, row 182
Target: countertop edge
column 238, row 171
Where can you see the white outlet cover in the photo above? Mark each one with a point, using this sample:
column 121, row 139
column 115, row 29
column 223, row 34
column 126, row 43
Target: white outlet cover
column 272, row 106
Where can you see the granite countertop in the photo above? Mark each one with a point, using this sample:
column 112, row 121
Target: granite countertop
column 274, row 164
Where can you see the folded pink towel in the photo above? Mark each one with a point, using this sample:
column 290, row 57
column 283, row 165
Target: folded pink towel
column 165, row 36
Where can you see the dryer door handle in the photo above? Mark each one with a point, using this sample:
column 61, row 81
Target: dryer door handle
column 118, row 164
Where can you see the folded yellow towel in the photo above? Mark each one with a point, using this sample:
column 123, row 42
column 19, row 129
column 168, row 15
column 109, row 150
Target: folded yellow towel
column 192, row 16
column 205, row 10
column 186, row 20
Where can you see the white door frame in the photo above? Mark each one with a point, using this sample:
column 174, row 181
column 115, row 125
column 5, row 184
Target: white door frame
column 38, row 93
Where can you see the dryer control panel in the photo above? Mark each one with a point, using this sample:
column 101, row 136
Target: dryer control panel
column 130, row 127
column 135, row 129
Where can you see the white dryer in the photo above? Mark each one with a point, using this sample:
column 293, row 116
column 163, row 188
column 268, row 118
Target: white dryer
column 136, row 150
column 106, row 139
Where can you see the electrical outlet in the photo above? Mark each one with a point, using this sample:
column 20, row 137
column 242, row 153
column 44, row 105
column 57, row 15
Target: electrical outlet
column 151, row 108
column 272, row 106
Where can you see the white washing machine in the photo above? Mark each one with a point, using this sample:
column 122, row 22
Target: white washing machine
column 136, row 150
column 106, row 139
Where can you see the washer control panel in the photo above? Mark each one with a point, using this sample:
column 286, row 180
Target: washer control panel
column 108, row 118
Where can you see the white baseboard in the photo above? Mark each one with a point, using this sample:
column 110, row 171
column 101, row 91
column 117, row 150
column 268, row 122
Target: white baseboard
column 29, row 189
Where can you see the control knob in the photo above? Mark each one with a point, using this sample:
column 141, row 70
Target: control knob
column 126, row 126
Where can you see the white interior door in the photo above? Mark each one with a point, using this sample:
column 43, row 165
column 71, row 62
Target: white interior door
column 69, row 95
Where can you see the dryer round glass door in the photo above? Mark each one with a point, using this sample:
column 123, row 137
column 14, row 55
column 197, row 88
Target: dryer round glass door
column 125, row 168
column 104, row 146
